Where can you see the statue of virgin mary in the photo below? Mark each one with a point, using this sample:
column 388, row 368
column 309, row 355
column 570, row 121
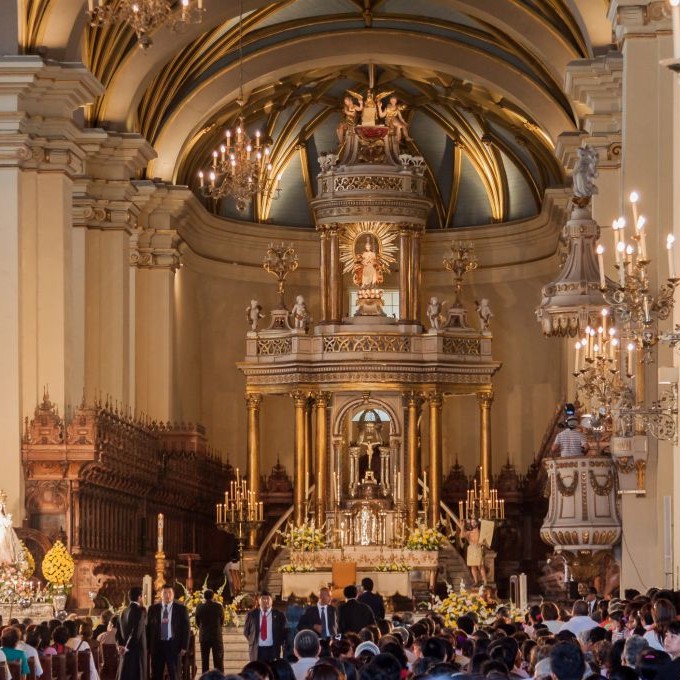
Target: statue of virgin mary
column 10, row 548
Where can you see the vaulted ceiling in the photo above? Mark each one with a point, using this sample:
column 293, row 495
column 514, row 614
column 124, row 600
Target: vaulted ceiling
column 481, row 80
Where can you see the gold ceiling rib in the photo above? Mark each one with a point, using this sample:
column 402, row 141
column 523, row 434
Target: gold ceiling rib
column 33, row 18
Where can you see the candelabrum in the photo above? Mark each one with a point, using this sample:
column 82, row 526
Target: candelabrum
column 463, row 260
column 240, row 169
column 240, row 514
column 280, row 261
column 144, row 16
column 482, row 502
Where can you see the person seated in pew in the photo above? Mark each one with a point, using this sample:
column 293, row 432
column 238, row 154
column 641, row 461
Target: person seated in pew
column 8, row 642
column 77, row 643
column 60, row 637
column 109, row 637
column 3, row 659
column 28, row 644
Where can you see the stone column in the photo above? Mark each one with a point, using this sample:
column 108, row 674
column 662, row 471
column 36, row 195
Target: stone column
column 324, row 277
column 299, row 485
column 485, row 399
column 309, row 447
column 253, row 402
column 106, row 206
column 335, row 275
column 434, row 478
column 155, row 254
column 321, row 455
column 412, row 402
column 414, row 311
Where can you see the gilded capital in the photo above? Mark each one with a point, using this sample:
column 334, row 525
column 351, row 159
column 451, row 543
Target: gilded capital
column 254, row 401
column 411, row 398
column 299, row 398
column 322, row 399
column 435, row 399
column 485, row 399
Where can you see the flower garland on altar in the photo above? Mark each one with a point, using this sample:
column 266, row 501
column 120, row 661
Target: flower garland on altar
column 393, row 567
column 305, row 537
column 295, row 569
column 424, row 538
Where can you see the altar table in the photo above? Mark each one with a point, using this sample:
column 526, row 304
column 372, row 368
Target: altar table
column 387, row 583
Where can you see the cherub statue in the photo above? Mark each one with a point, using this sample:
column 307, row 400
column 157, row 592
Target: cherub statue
column 349, row 114
column 484, row 312
column 254, row 314
column 585, row 172
column 434, row 313
column 393, row 118
column 300, row 314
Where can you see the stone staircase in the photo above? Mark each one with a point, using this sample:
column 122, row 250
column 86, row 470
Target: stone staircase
column 235, row 649
column 453, row 567
column 273, row 581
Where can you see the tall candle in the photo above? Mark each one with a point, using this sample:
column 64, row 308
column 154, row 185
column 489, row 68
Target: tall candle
column 670, row 239
column 634, row 198
column 629, row 368
column 600, row 264
column 640, row 226
column 160, row 532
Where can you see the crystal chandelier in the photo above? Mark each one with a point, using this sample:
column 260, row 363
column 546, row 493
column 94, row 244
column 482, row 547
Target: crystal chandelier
column 240, row 168
column 145, row 16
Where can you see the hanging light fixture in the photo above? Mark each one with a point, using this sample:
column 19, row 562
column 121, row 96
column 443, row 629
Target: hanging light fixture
column 145, row 16
column 240, row 168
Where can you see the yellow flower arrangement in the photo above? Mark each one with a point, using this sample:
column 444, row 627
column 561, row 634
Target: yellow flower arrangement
column 393, row 567
column 460, row 602
column 305, row 537
column 295, row 569
column 58, row 566
column 192, row 599
column 424, row 538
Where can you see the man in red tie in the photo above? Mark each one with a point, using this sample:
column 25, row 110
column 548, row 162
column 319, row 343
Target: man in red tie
column 265, row 629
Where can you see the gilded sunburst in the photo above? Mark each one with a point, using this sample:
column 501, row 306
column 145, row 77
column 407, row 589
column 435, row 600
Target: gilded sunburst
column 381, row 235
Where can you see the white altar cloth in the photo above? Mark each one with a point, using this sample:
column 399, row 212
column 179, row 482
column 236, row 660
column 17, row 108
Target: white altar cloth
column 387, row 583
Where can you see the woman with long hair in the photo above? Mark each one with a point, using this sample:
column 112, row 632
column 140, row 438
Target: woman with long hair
column 663, row 612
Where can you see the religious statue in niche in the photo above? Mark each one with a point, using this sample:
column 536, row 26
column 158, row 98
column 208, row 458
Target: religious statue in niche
column 584, row 174
column 369, row 459
column 367, row 250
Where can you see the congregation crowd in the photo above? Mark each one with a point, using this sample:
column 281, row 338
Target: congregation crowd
column 629, row 638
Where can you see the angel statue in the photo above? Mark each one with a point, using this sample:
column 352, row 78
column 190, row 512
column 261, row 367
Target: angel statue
column 349, row 114
column 393, row 118
column 300, row 313
column 434, row 313
column 254, row 314
column 585, row 172
column 484, row 312
column 368, row 269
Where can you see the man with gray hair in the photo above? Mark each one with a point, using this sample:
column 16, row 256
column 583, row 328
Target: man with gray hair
column 634, row 645
column 306, row 647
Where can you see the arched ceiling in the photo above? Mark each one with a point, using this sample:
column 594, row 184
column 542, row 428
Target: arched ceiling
column 482, row 82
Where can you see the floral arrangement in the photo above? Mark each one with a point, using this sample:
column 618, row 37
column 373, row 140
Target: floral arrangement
column 393, row 567
column 58, row 566
column 460, row 602
column 424, row 538
column 27, row 562
column 191, row 599
column 305, row 537
column 295, row 568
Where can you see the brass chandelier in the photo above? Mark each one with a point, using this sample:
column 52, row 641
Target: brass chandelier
column 240, row 168
column 145, row 16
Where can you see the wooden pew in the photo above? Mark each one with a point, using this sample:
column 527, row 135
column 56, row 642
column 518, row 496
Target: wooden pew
column 84, row 664
column 46, row 663
column 110, row 662
column 59, row 667
column 14, row 669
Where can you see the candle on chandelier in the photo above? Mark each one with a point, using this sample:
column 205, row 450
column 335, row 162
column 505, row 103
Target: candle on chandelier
column 670, row 239
column 620, row 250
column 634, row 198
column 640, row 227
column 629, row 259
column 577, row 366
column 600, row 264
column 629, row 360
column 200, row 4
column 612, row 348
column 675, row 19
column 604, row 313
column 212, row 180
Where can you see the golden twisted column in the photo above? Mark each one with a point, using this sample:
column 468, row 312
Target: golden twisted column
column 253, row 402
column 412, row 402
column 321, row 451
column 435, row 402
column 485, row 399
column 299, row 485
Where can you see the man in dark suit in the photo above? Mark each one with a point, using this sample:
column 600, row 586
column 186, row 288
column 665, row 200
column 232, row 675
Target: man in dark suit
column 168, row 634
column 320, row 617
column 373, row 600
column 131, row 639
column 265, row 629
column 352, row 614
column 209, row 621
